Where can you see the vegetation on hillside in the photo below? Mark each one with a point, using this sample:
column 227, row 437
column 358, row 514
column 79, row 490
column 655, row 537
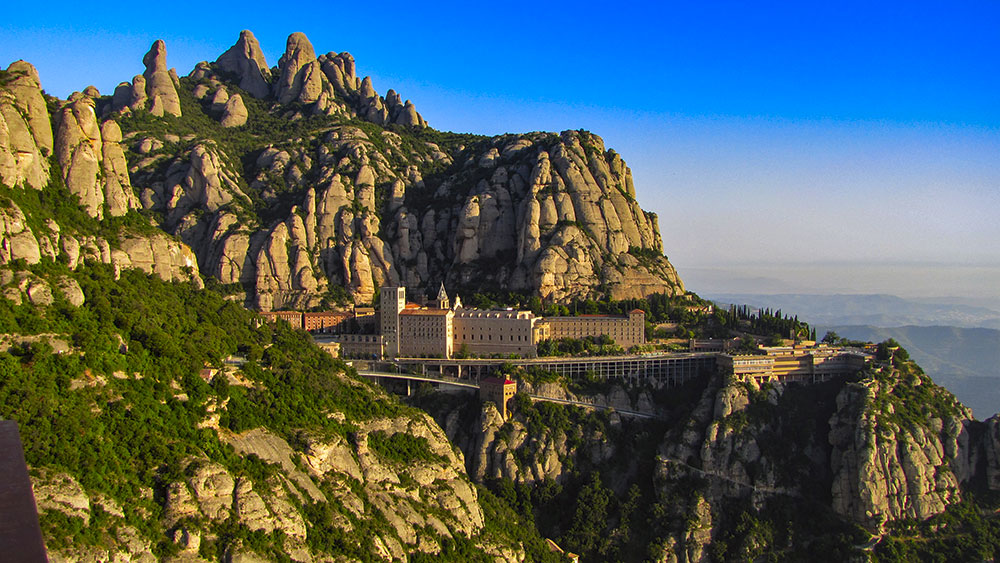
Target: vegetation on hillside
column 123, row 409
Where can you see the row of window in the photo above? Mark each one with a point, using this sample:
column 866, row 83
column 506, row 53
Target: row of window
column 520, row 338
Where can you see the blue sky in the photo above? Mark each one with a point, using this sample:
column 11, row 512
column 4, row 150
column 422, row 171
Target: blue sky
column 769, row 132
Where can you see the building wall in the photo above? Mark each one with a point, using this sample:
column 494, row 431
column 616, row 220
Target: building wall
column 327, row 321
column 626, row 331
column 362, row 346
column 788, row 364
column 500, row 391
column 426, row 332
column 758, row 367
column 294, row 318
column 484, row 333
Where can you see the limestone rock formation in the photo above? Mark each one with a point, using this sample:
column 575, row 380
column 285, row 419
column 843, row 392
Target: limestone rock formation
column 528, row 218
column 26, row 139
column 92, row 160
column 234, row 114
column 79, row 151
column 61, row 492
column 246, row 60
column 887, row 470
column 422, row 502
column 342, row 205
column 302, row 77
column 118, row 193
column 160, row 255
column 160, row 88
column 17, row 241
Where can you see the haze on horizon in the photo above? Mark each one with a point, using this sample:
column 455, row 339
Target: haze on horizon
column 835, row 147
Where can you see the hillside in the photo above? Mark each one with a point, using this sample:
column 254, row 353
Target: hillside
column 886, row 466
column 144, row 444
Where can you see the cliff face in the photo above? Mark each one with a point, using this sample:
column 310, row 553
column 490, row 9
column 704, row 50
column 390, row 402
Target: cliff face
column 422, row 502
column 304, row 186
column 891, row 461
column 85, row 156
column 803, row 461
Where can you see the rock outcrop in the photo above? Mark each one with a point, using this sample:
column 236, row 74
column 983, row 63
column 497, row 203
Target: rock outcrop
column 888, row 447
column 155, row 90
column 79, row 151
column 302, row 79
column 234, row 113
column 423, row 502
column 343, row 205
column 246, row 61
column 566, row 230
column 26, row 140
column 151, row 253
column 17, row 240
column 92, row 160
column 887, row 468
column 161, row 91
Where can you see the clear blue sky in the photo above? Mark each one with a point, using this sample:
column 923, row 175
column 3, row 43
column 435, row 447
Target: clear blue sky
column 778, row 132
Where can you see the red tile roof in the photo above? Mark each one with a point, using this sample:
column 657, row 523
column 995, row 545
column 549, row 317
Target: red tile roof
column 427, row 312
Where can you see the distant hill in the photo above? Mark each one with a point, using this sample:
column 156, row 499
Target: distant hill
column 964, row 360
column 871, row 310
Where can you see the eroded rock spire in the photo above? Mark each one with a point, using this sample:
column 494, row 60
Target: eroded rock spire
column 246, row 60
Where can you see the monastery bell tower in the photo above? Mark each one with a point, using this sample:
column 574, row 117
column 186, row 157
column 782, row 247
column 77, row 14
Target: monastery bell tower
column 442, row 301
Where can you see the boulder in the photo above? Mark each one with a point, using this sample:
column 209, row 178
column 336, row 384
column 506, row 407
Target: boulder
column 235, row 113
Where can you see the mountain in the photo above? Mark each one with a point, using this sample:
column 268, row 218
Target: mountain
column 886, row 466
column 299, row 186
column 873, row 310
column 162, row 420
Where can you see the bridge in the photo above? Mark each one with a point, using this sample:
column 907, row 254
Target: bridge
column 660, row 369
column 454, row 382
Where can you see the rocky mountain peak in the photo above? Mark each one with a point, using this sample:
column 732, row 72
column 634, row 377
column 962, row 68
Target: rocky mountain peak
column 297, row 48
column 156, row 58
column 246, row 60
column 25, row 130
column 301, row 78
column 340, row 209
column 158, row 84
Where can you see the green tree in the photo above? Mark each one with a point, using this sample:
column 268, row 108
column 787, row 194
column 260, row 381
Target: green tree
column 587, row 531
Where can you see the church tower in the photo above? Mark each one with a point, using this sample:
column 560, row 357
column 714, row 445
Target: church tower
column 442, row 301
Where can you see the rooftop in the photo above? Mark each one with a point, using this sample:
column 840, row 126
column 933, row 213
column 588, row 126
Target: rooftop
column 416, row 312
